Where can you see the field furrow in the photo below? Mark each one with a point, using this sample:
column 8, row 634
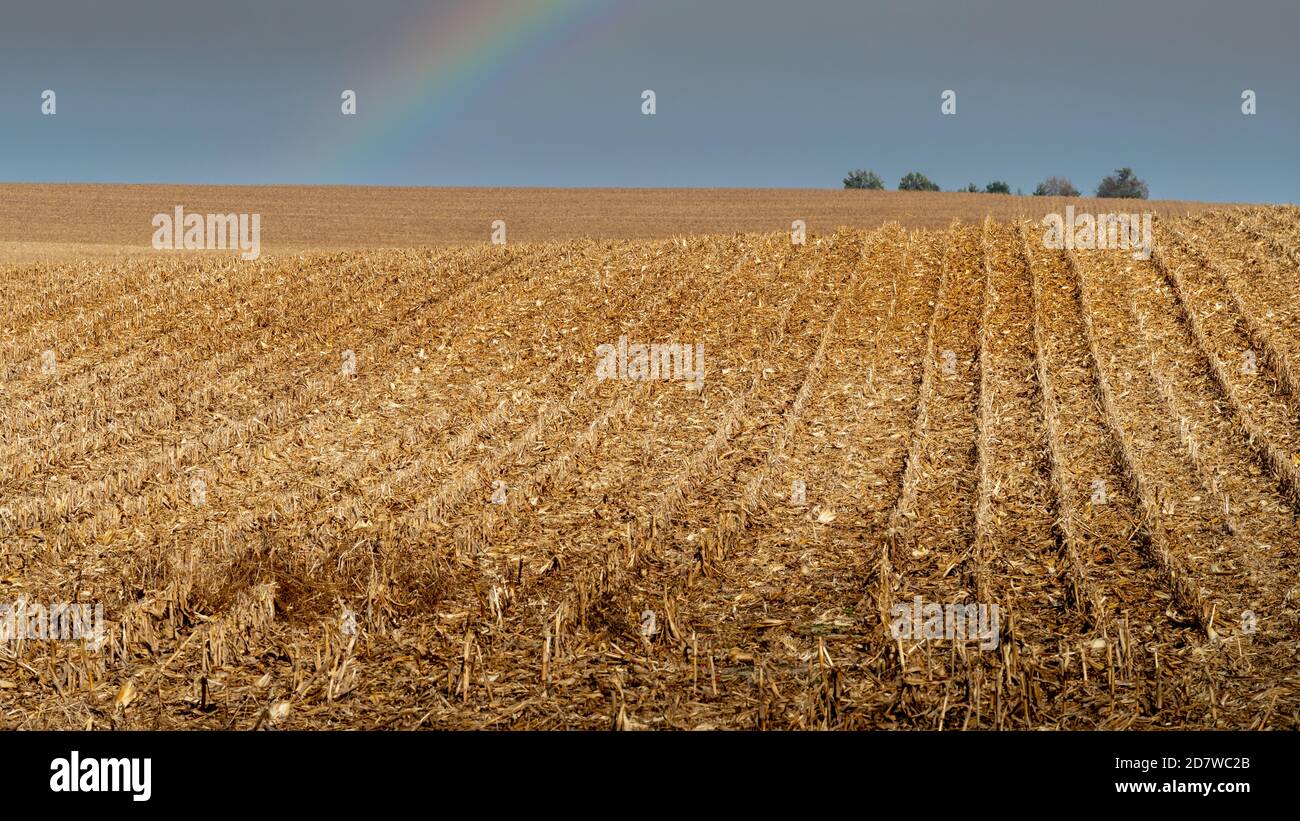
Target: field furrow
column 1035, row 584
column 1137, row 643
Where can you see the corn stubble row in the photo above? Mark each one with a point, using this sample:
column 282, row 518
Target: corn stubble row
column 467, row 529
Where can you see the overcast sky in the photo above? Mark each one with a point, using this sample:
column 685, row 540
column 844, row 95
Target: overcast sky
column 762, row 93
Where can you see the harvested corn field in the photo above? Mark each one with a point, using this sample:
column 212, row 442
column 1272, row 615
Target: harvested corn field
column 931, row 479
column 34, row 228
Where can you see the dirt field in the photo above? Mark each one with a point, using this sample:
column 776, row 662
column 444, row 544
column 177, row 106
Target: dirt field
column 40, row 222
column 386, row 489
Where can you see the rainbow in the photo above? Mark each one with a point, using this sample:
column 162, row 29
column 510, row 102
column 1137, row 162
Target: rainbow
column 457, row 51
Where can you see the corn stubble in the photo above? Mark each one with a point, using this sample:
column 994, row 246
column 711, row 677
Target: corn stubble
column 468, row 530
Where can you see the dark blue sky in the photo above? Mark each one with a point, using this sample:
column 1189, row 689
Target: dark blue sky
column 762, row 93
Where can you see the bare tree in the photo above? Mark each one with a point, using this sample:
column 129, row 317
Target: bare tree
column 1056, row 187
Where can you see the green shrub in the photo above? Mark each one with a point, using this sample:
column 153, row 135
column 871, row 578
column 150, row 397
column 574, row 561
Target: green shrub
column 916, row 181
column 860, row 178
column 1122, row 184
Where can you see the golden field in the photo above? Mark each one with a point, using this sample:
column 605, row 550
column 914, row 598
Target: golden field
column 383, row 487
column 42, row 222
